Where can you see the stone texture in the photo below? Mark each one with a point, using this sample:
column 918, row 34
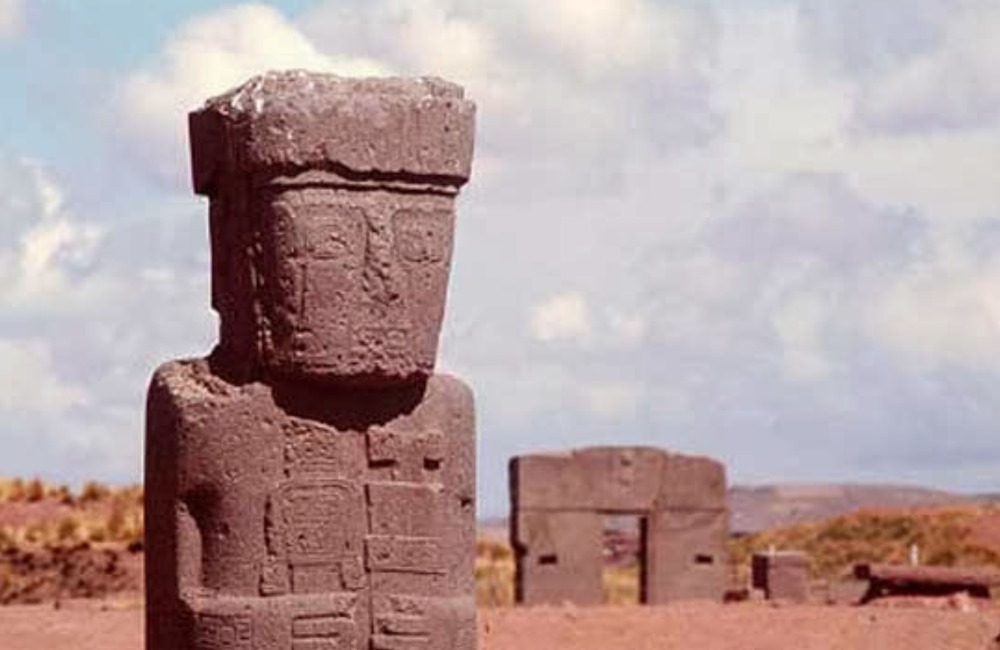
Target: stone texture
column 686, row 554
column 781, row 575
column 310, row 485
column 331, row 217
column 558, row 505
column 559, row 557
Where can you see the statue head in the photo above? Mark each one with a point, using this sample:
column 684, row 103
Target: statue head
column 332, row 212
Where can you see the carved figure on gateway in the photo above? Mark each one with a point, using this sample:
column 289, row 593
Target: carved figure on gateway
column 310, row 485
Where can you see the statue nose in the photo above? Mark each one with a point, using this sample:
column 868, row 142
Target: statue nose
column 382, row 273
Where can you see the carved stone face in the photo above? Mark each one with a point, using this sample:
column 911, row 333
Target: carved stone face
column 352, row 284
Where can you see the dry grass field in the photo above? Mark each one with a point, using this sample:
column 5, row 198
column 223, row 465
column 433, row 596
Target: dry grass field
column 33, row 513
column 56, row 543
column 59, row 543
column 964, row 535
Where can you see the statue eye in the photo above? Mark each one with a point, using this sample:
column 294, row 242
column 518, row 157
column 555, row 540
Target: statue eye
column 335, row 245
column 334, row 232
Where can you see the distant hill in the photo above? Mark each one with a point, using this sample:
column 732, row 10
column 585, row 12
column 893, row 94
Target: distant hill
column 755, row 508
column 760, row 507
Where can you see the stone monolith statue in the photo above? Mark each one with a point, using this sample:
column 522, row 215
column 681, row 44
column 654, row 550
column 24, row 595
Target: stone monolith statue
column 310, row 485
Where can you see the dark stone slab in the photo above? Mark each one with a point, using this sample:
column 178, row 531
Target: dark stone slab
column 897, row 580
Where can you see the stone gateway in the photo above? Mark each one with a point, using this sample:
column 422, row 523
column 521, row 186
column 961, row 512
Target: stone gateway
column 559, row 503
column 310, row 485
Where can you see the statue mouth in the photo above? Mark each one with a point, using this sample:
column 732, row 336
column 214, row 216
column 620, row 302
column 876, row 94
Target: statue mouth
column 365, row 345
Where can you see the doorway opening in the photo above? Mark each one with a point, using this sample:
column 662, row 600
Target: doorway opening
column 624, row 552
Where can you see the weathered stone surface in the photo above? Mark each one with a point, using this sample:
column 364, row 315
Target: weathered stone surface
column 332, row 210
column 781, row 575
column 686, row 555
column 559, row 557
column 617, row 478
column 558, row 502
column 362, row 129
column 310, row 485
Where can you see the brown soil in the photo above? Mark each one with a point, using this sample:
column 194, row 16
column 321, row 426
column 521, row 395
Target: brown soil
column 75, row 625
column 117, row 625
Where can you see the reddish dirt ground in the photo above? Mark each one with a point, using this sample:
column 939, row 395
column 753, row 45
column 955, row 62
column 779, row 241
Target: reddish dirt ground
column 76, row 625
column 117, row 625
column 708, row 626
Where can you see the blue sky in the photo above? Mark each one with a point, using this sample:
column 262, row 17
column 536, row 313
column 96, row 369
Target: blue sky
column 768, row 232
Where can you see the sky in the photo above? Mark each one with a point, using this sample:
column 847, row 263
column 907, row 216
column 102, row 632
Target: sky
column 764, row 231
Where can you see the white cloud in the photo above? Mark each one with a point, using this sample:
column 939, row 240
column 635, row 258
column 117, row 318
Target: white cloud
column 947, row 176
column 628, row 328
column 865, row 39
column 780, row 114
column 80, row 301
column 943, row 311
column 205, row 57
column 753, row 230
column 550, row 77
column 912, row 98
column 11, row 19
column 493, row 51
column 799, row 324
column 613, row 400
column 897, row 96
column 561, row 317
column 42, row 238
column 28, row 381
column 41, row 242
column 429, row 36
column 602, row 37
column 954, row 84
column 42, row 247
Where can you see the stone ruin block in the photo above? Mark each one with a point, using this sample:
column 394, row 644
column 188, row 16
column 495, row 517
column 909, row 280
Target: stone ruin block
column 310, row 484
column 781, row 575
column 887, row 580
column 558, row 506
column 561, row 553
column 685, row 556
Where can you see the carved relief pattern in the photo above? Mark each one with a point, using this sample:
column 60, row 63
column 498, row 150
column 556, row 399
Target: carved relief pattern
column 322, row 632
column 405, row 524
column 326, row 534
column 352, row 283
column 220, row 632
